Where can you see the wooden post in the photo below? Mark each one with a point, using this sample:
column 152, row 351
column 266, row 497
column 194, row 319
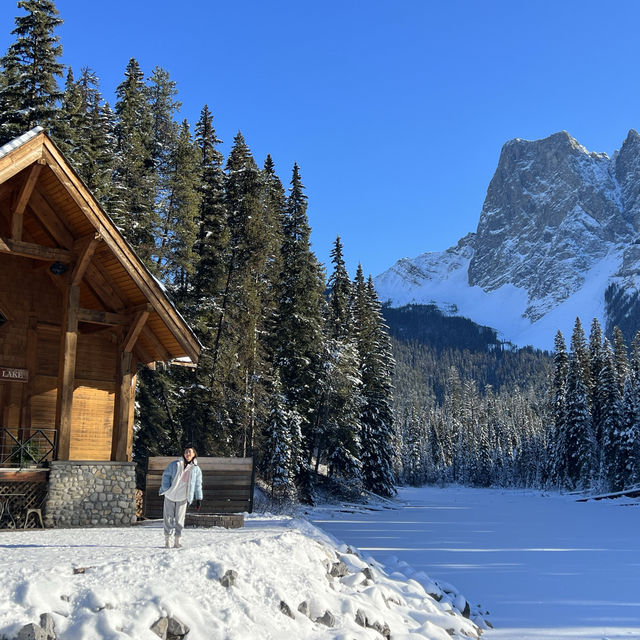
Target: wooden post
column 28, row 389
column 122, row 440
column 67, row 371
column 121, row 410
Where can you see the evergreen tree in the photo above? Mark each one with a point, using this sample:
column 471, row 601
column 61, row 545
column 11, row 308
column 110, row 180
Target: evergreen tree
column 339, row 424
column 627, row 470
column 596, row 362
column 377, row 366
column 180, row 215
column 558, row 443
column 85, row 133
column 297, row 337
column 278, row 447
column 213, row 232
column 621, row 359
column 205, row 398
column 581, row 353
column 97, row 151
column 134, row 176
column 164, row 106
column 339, row 318
column 29, row 92
column 611, row 420
column 67, row 129
column 579, row 442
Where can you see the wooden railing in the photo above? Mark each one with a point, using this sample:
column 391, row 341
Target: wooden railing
column 21, row 448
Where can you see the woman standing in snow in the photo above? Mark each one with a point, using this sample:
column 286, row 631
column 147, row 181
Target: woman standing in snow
column 181, row 483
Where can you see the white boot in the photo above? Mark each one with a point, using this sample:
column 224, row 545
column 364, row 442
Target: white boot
column 167, row 542
column 177, row 544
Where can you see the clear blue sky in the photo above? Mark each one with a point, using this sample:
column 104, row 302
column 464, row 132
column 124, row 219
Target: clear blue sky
column 396, row 111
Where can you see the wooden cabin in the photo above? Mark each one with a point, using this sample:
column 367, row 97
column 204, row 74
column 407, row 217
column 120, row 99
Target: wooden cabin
column 79, row 312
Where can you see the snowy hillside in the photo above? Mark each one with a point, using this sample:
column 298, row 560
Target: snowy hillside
column 558, row 227
column 117, row 583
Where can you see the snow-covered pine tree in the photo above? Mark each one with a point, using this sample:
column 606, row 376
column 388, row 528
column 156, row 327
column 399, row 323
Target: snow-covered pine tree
column 596, row 358
column 204, row 400
column 277, row 446
column 580, row 352
column 339, row 323
column 67, row 129
column 579, row 444
column 179, row 213
column 611, row 403
column 164, row 107
column 627, row 471
column 621, row 358
column 273, row 204
column 297, row 335
column 134, row 176
column 557, row 439
column 96, row 149
column 29, row 91
column 376, row 370
column 339, row 425
column 238, row 345
column 212, row 243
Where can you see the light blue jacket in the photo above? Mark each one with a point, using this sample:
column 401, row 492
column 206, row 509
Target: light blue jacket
column 176, row 468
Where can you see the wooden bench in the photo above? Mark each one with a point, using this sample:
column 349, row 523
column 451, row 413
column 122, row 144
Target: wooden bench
column 227, row 487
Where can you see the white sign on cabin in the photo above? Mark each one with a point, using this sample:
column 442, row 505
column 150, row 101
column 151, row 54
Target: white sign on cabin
column 14, row 375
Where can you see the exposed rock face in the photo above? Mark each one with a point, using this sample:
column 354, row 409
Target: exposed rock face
column 552, row 213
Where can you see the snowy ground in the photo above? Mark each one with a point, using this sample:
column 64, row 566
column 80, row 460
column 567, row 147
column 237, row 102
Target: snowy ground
column 116, row 583
column 544, row 566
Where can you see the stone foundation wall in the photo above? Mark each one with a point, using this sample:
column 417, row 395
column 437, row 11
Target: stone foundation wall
column 90, row 494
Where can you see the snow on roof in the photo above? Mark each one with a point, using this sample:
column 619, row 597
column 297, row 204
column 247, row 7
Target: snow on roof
column 19, row 141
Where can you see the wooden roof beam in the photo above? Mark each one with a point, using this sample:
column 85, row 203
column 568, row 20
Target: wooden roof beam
column 17, row 213
column 86, row 248
column 123, row 252
column 34, row 251
column 50, row 220
column 134, row 331
column 104, row 288
column 94, row 316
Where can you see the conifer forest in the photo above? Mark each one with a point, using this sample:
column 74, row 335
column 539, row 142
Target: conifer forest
column 302, row 367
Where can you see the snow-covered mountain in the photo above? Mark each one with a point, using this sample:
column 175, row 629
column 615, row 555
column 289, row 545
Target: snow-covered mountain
column 558, row 237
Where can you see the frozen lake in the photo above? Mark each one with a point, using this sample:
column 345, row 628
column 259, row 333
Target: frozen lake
column 544, row 566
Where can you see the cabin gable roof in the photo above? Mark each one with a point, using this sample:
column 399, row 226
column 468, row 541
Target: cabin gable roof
column 48, row 214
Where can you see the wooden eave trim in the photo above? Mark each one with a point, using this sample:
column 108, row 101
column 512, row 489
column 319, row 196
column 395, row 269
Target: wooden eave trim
column 21, row 157
column 117, row 244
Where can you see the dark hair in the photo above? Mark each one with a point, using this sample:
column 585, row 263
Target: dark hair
column 190, row 446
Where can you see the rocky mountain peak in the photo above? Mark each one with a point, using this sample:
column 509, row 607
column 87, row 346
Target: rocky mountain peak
column 551, row 208
column 556, row 218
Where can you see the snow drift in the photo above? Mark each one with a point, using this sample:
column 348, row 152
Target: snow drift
column 116, row 583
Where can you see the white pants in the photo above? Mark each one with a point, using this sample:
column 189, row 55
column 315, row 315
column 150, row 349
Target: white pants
column 174, row 514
